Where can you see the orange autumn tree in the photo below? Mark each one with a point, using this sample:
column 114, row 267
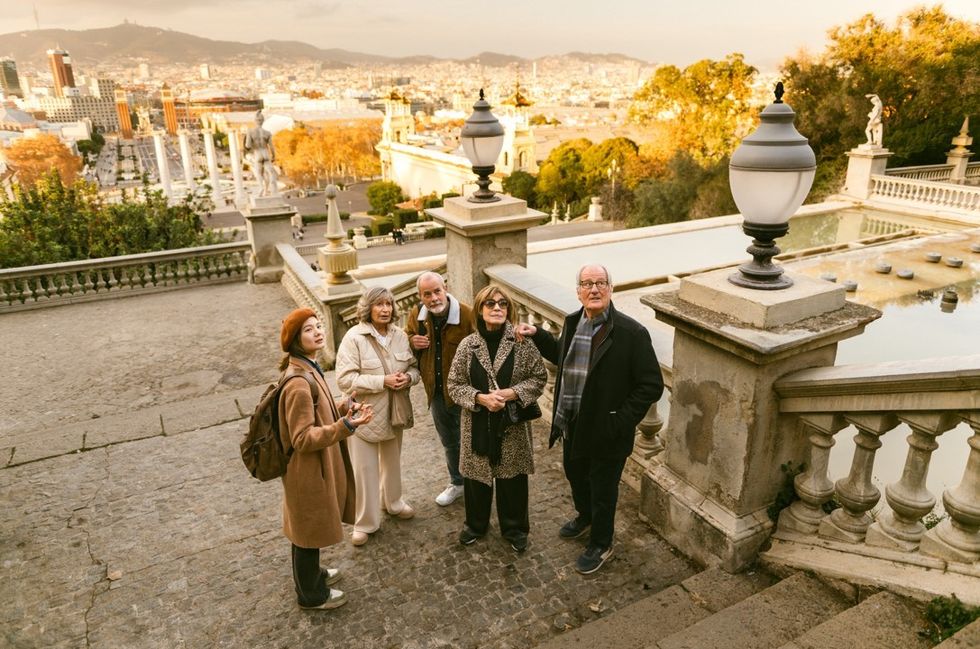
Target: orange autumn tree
column 309, row 156
column 32, row 157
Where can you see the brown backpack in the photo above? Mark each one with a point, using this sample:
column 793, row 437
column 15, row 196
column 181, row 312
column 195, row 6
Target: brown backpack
column 261, row 447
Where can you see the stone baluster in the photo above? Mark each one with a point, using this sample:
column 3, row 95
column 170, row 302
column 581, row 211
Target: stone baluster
column 648, row 442
column 813, row 485
column 856, row 492
column 909, row 500
column 957, row 538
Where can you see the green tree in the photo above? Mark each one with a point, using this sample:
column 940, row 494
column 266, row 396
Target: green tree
column 925, row 69
column 520, row 184
column 598, row 161
column 560, row 178
column 704, row 110
column 383, row 196
column 52, row 222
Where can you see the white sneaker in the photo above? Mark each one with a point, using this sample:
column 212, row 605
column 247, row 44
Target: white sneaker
column 449, row 496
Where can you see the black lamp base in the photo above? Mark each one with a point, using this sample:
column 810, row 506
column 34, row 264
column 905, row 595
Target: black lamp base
column 761, row 274
column 483, row 194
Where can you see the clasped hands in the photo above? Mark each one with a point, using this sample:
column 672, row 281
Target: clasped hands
column 397, row 381
column 496, row 400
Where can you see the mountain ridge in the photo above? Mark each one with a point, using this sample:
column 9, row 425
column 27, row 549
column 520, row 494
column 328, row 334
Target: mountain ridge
column 141, row 43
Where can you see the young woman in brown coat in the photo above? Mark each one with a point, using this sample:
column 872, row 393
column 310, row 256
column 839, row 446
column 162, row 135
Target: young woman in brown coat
column 318, row 488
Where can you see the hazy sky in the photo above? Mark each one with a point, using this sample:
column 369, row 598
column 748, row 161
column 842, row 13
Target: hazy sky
column 675, row 31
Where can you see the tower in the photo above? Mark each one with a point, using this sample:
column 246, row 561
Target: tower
column 61, row 71
column 8, row 79
column 169, row 109
column 518, row 151
column 122, row 113
column 398, row 123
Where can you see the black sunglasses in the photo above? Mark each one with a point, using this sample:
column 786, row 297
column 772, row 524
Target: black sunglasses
column 503, row 304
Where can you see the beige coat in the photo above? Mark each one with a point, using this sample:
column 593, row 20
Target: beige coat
column 318, row 488
column 528, row 379
column 360, row 370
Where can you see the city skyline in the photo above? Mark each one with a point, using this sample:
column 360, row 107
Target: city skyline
column 765, row 32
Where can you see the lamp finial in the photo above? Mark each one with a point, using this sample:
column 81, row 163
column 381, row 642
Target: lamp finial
column 779, row 92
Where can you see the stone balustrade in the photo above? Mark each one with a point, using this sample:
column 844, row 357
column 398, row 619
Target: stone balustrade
column 934, row 173
column 406, row 297
column 973, row 172
column 33, row 287
column 931, row 397
column 926, row 194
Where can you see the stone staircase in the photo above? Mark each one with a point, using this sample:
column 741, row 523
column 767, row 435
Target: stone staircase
column 756, row 610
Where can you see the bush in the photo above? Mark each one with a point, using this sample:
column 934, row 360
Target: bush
column 344, row 216
column 404, row 216
column 383, row 226
column 383, row 196
column 431, row 203
column 319, row 217
column 947, row 615
column 449, row 195
column 435, row 233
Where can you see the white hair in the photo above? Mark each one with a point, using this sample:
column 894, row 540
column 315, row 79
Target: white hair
column 578, row 277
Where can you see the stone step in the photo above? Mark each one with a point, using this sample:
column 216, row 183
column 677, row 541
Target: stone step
column 765, row 620
column 967, row 638
column 882, row 621
column 668, row 611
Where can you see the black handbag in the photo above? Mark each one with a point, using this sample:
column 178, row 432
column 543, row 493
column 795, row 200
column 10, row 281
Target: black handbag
column 517, row 414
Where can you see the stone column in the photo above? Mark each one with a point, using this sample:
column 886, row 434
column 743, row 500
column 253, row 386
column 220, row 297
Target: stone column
column 480, row 235
column 236, row 168
column 185, row 156
column 212, row 167
column 337, row 257
column 162, row 163
column 267, row 222
column 863, row 162
column 959, row 155
column 725, row 438
column 595, row 209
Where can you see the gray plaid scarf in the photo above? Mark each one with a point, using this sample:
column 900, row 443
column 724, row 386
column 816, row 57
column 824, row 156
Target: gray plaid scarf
column 576, row 369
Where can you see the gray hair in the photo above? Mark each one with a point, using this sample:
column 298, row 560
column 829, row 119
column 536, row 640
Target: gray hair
column 426, row 275
column 374, row 296
column 578, row 276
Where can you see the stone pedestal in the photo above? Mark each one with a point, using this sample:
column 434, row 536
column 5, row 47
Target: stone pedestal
column 359, row 241
column 959, row 155
column 480, row 235
column 725, row 439
column 863, row 162
column 595, row 209
column 267, row 221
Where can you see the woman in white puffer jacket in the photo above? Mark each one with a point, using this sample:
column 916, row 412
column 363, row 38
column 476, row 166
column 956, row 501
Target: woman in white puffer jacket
column 369, row 347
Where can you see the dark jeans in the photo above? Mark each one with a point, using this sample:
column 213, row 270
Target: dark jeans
column 308, row 578
column 595, row 491
column 511, row 506
column 446, row 419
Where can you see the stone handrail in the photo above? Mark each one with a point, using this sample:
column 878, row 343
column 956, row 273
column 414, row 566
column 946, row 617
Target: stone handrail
column 931, row 397
column 406, row 297
column 33, row 287
column 973, row 170
column 924, row 193
column 922, row 172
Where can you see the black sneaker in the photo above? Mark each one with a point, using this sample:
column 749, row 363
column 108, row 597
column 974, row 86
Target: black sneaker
column 574, row 529
column 592, row 559
column 518, row 543
column 468, row 537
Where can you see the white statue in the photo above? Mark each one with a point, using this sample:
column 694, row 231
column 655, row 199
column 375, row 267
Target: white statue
column 874, row 129
column 261, row 154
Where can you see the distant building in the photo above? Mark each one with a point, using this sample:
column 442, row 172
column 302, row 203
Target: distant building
column 122, row 114
column 169, row 109
column 211, row 100
column 9, row 82
column 12, row 119
column 143, row 71
column 261, row 74
column 61, row 72
column 205, row 71
column 102, row 88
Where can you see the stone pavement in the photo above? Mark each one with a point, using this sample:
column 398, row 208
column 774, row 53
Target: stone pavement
column 127, row 519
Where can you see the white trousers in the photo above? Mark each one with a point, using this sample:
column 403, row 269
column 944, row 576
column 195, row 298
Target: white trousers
column 378, row 477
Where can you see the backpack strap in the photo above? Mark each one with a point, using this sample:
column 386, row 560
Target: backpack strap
column 314, row 390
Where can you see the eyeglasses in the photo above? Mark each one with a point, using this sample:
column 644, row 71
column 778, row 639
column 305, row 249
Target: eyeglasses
column 503, row 304
column 588, row 284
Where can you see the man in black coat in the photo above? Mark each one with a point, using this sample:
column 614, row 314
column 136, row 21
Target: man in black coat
column 608, row 377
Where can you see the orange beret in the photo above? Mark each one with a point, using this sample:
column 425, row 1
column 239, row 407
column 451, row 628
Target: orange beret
column 291, row 326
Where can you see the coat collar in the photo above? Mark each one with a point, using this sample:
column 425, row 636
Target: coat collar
column 454, row 311
column 598, row 353
column 507, row 342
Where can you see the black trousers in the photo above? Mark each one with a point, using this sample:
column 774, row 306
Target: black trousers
column 595, row 491
column 311, row 589
column 511, row 506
